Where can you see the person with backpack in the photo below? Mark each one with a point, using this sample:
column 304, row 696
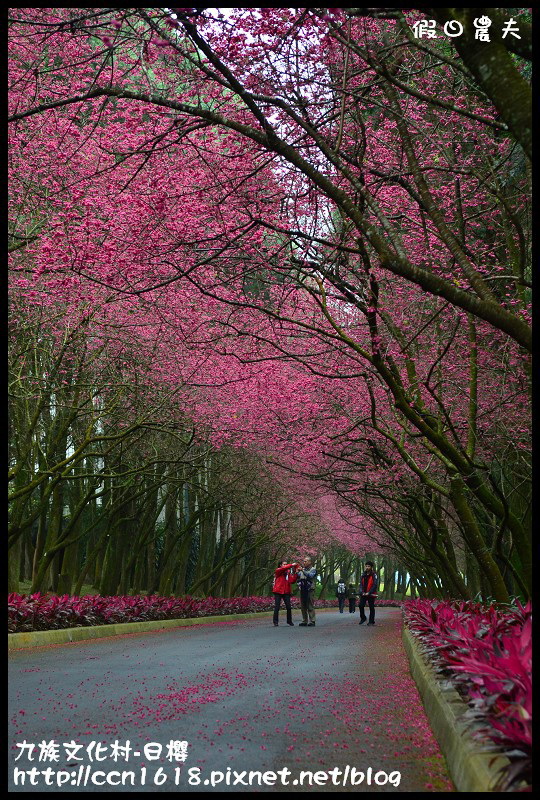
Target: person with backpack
column 352, row 594
column 307, row 576
column 341, row 594
column 284, row 577
column 367, row 590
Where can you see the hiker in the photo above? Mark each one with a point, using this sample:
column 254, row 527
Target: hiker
column 352, row 594
column 367, row 590
column 284, row 577
column 341, row 594
column 306, row 581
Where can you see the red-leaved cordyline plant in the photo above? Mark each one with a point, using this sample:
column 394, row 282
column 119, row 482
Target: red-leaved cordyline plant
column 486, row 653
column 41, row 612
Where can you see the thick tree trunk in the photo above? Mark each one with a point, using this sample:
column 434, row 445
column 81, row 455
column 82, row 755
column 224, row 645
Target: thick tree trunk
column 474, row 539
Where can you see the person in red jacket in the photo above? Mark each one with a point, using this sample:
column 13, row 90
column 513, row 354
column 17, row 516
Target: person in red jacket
column 284, row 577
column 369, row 583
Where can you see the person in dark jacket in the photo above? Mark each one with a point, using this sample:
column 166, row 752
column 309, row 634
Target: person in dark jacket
column 341, row 594
column 306, row 581
column 284, row 577
column 369, row 583
column 352, row 595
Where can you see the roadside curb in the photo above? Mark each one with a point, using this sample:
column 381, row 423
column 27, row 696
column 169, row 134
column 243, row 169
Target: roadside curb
column 19, row 641
column 470, row 769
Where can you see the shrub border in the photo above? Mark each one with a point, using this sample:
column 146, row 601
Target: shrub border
column 19, row 641
column 471, row 769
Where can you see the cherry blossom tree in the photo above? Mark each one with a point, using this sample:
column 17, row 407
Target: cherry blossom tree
column 313, row 229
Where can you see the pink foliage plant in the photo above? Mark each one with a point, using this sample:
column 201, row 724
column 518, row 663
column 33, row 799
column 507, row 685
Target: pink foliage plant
column 486, row 653
column 40, row 612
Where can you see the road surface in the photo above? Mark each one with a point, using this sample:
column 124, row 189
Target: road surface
column 262, row 709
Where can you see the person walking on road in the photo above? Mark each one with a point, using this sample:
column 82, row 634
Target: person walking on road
column 369, row 582
column 284, row 577
column 341, row 594
column 306, row 581
column 352, row 595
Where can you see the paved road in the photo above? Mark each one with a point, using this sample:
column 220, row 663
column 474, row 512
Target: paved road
column 243, row 694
